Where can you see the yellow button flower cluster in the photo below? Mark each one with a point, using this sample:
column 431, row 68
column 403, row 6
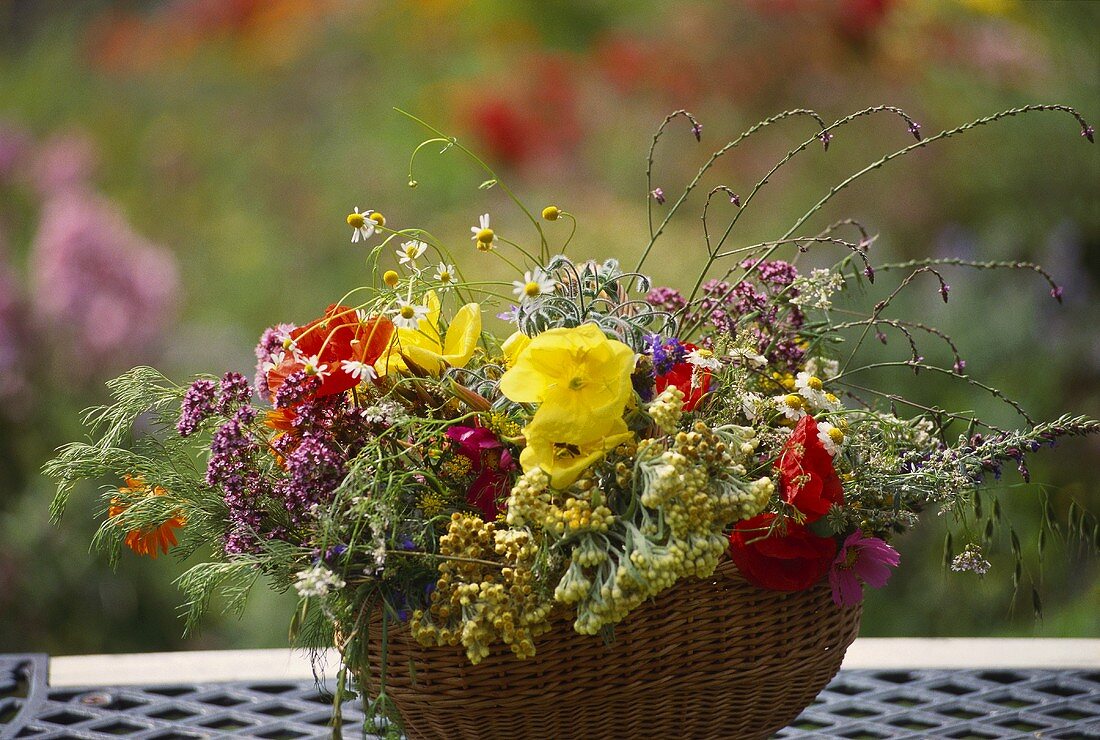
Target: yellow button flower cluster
column 696, row 480
column 476, row 602
column 667, row 409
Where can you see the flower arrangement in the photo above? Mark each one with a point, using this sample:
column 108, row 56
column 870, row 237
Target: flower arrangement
column 396, row 463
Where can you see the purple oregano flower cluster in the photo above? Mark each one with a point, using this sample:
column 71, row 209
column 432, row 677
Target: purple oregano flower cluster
column 318, row 436
column 753, row 305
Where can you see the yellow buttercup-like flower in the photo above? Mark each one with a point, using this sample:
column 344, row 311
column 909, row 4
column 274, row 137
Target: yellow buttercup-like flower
column 563, row 461
column 513, row 347
column 426, row 347
column 580, row 378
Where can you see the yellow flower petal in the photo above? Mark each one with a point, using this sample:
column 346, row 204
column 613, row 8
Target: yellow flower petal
column 463, row 335
column 575, row 372
column 565, row 462
column 422, row 345
column 513, row 347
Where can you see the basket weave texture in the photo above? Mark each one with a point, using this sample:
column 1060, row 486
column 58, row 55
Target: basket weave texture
column 710, row 658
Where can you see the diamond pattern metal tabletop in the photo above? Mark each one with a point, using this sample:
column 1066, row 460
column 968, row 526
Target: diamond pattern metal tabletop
column 857, row 704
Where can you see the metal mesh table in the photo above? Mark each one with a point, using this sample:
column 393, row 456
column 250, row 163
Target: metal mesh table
column 857, row 704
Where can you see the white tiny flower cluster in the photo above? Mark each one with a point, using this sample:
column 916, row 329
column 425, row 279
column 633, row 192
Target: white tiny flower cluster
column 317, row 581
column 386, row 412
column 970, row 559
column 816, row 289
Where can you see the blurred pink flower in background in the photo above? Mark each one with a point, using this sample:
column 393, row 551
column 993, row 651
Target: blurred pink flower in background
column 14, row 387
column 108, row 290
column 14, row 145
column 62, row 163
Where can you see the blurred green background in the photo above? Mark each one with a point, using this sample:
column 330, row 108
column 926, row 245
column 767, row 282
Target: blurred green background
column 174, row 178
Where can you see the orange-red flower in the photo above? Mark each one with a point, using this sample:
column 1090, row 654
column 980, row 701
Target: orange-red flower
column 152, row 541
column 808, row 480
column 340, row 344
column 793, row 561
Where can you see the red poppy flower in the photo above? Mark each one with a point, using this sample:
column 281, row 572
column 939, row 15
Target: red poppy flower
column 338, row 337
column 808, row 480
column 680, row 376
column 791, row 562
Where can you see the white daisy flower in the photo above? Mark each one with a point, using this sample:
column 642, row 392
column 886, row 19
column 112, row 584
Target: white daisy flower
column 445, row 274
column 533, row 285
column 314, row 366
column 791, row 406
column 359, row 370
column 811, row 388
column 408, row 315
column 483, row 235
column 276, row 359
column 410, row 251
column 832, row 438
column 703, row 358
column 832, row 403
column 362, row 225
column 750, row 405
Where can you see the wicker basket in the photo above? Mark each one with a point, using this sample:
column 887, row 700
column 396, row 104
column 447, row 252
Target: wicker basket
column 713, row 658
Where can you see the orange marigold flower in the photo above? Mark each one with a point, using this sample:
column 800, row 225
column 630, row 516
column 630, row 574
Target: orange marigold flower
column 152, row 541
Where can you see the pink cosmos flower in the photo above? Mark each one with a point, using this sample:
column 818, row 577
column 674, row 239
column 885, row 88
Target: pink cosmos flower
column 491, row 464
column 861, row 560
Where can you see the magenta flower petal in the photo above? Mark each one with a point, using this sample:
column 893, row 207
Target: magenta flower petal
column 861, row 560
column 874, row 573
column 846, row 588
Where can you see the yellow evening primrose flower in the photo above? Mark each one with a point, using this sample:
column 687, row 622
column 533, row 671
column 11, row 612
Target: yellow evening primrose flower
column 426, row 347
column 564, row 462
column 513, row 346
column 579, row 376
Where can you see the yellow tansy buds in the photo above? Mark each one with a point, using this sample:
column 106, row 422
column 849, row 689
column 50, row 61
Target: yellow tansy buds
column 390, row 278
column 551, row 213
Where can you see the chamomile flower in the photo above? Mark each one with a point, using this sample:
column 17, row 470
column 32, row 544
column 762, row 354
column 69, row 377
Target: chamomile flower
column 483, row 235
column 791, row 406
column 410, row 251
column 359, row 370
column 751, row 403
column 445, row 274
column 275, row 359
column 702, row 362
column 533, row 285
column 362, row 225
column 314, row 366
column 832, row 438
column 703, row 358
column 408, row 315
column 811, row 388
